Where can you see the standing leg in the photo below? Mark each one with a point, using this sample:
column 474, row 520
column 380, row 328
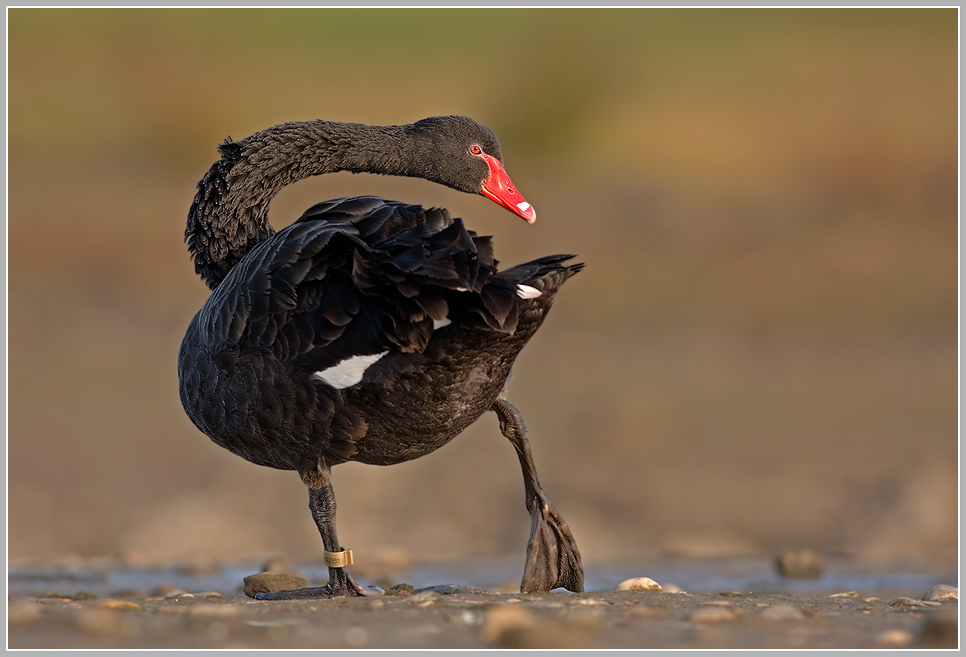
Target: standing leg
column 322, row 505
column 552, row 556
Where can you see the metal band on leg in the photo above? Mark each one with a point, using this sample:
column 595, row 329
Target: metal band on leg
column 337, row 559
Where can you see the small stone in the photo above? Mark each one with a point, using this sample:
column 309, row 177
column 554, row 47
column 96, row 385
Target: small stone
column 177, row 593
column 501, row 619
column 401, row 589
column 894, row 638
column 872, row 599
column 515, row 627
column 782, row 612
column 941, row 593
column 800, row 564
column 712, row 615
column 119, row 605
column 639, row 584
column 847, row 594
column 270, row 582
column 905, row 602
column 211, row 595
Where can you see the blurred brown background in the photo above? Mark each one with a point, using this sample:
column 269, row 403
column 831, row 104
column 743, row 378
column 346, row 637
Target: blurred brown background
column 760, row 354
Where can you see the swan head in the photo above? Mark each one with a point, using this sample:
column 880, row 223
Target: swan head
column 458, row 152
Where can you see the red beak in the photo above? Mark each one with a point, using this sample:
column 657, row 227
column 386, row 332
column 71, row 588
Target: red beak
column 499, row 188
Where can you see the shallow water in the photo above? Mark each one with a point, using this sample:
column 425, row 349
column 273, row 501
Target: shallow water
column 696, row 576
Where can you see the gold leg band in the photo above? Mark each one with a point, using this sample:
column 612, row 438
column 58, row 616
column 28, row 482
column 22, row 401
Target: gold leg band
column 337, row 559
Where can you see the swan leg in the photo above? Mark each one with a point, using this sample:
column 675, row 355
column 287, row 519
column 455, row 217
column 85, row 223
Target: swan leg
column 341, row 583
column 553, row 559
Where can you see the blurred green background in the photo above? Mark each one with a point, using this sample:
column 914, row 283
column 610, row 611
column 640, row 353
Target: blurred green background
column 761, row 353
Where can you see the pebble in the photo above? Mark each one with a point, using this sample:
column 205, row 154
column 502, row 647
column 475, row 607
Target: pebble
column 500, row 619
column 800, row 564
column 516, row 627
column 906, row 602
column 894, row 638
column 782, row 612
column 401, row 589
column 269, row 582
column 589, row 602
column 872, row 599
column 119, row 605
column 712, row 614
column 639, row 584
column 177, row 593
column 847, row 594
column 941, row 593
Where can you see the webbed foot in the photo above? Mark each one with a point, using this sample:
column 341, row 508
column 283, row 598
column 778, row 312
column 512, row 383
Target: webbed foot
column 553, row 559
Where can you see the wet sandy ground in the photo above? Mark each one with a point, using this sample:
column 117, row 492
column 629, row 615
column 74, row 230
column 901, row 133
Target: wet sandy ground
column 461, row 616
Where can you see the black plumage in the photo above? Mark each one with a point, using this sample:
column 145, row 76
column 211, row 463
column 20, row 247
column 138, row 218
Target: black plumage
column 368, row 330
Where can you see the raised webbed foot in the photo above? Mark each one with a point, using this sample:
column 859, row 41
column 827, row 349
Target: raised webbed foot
column 553, row 559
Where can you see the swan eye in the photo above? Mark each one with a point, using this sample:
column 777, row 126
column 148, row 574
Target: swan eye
column 476, row 150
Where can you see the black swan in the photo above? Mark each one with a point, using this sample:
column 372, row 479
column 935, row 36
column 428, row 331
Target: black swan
column 368, row 330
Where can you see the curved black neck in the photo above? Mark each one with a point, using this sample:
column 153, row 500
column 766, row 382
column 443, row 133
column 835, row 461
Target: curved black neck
column 229, row 215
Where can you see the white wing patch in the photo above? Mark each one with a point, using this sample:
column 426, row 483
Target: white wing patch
column 348, row 372
column 440, row 323
column 527, row 292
